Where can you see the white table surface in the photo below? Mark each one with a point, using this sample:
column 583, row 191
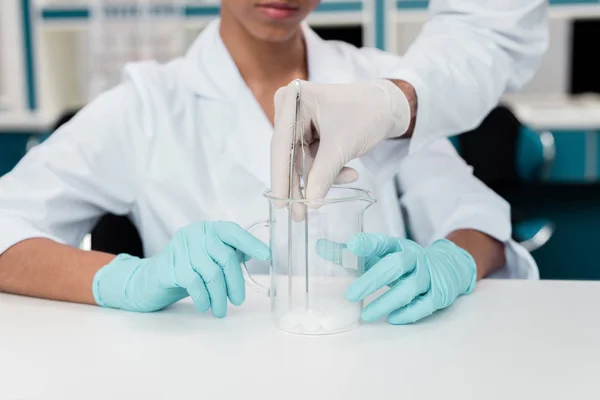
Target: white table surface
column 508, row 340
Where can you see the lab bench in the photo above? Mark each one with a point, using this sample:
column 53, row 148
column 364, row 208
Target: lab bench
column 509, row 339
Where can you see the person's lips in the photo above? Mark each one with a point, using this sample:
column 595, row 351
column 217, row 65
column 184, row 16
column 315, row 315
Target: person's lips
column 278, row 10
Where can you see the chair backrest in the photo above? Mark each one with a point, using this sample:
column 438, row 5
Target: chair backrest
column 116, row 234
column 505, row 153
column 530, row 155
column 491, row 149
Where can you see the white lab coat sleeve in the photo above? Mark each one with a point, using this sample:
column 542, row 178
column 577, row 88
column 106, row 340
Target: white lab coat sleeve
column 466, row 57
column 92, row 165
column 441, row 195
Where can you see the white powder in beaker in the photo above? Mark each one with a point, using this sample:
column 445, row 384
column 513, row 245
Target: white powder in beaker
column 321, row 322
column 318, row 306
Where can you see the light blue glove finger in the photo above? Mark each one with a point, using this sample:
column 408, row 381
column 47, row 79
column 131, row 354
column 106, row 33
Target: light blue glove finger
column 421, row 307
column 421, row 281
column 211, row 260
column 198, row 292
column 187, row 279
column 403, row 292
column 233, row 236
column 330, row 251
column 243, row 256
column 455, row 272
column 227, row 258
column 389, row 269
column 188, row 262
column 373, row 247
column 201, row 260
column 452, row 272
column 334, row 252
column 369, row 244
column 212, row 275
column 237, row 237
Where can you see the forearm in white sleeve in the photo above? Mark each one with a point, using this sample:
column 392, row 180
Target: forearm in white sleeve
column 467, row 56
column 92, row 165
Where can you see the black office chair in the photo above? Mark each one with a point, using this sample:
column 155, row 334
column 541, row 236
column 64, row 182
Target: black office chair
column 114, row 234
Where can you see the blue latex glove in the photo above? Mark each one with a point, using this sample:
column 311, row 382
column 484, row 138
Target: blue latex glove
column 202, row 260
column 421, row 281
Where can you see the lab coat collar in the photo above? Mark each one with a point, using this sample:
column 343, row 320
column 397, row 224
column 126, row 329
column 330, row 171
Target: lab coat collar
column 212, row 73
column 209, row 68
column 326, row 64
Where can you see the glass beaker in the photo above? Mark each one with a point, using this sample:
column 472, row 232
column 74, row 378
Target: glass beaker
column 310, row 266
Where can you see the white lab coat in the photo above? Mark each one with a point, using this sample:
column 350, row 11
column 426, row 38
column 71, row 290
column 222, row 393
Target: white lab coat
column 187, row 141
column 469, row 54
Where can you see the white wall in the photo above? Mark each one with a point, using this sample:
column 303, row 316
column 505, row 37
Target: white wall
column 12, row 66
column 60, row 76
column 553, row 77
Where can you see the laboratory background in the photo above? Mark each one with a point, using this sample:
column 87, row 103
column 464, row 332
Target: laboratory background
column 539, row 148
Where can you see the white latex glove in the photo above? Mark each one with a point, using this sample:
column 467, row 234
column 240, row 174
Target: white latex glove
column 340, row 122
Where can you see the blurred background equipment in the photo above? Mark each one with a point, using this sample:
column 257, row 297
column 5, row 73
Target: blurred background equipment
column 539, row 148
column 508, row 157
column 121, row 31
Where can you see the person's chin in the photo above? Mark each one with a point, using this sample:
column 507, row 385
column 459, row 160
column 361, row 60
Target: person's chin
column 276, row 32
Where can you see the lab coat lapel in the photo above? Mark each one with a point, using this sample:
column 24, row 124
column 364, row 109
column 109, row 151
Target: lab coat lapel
column 325, row 63
column 213, row 75
column 249, row 131
column 234, row 127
